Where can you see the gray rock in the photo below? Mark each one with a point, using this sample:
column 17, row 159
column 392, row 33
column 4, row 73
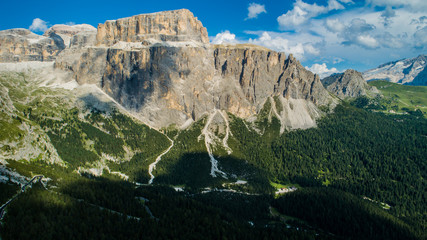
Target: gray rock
column 161, row 67
column 18, row 45
column 348, row 84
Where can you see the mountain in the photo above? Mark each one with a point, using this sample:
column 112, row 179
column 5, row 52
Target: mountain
column 405, row 71
column 348, row 84
column 141, row 129
column 162, row 67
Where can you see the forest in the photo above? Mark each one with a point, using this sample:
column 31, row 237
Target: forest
column 361, row 174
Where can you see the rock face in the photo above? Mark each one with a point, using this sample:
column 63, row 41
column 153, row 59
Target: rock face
column 68, row 33
column 178, row 25
column 405, row 71
column 162, row 67
column 18, row 45
column 348, row 84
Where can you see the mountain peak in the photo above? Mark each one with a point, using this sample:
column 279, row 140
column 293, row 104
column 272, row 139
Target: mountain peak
column 175, row 25
column 348, row 84
column 404, row 71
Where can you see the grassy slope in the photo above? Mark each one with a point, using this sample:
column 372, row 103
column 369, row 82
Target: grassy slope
column 402, row 96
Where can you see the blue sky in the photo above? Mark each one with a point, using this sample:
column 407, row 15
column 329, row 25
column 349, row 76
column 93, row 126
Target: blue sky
column 326, row 36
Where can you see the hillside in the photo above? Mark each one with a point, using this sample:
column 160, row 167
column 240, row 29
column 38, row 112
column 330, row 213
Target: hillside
column 144, row 130
column 402, row 99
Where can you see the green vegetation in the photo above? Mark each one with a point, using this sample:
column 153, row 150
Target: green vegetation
column 343, row 214
column 360, row 173
column 401, row 98
column 97, row 209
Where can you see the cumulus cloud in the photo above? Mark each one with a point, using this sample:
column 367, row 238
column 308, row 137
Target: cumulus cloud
column 413, row 5
column 387, row 16
column 224, row 37
column 366, row 41
column 280, row 44
column 358, row 33
column 420, row 38
column 38, row 25
column 255, row 9
column 302, row 12
column 419, row 21
column 322, row 70
column 390, row 41
column 334, row 25
column 347, row 1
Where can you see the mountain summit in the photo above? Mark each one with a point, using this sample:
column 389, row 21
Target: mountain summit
column 348, row 84
column 406, row 71
column 162, row 67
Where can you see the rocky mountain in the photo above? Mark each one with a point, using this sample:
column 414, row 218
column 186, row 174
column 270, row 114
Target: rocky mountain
column 162, row 67
column 405, row 71
column 18, row 45
column 348, row 84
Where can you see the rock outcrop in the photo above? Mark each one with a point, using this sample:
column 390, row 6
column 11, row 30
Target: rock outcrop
column 17, row 45
column 177, row 25
column 348, row 84
column 162, row 67
column 72, row 35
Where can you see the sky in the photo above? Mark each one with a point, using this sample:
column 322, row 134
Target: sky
column 326, row 36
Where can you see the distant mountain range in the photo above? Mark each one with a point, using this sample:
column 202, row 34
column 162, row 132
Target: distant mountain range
column 411, row 71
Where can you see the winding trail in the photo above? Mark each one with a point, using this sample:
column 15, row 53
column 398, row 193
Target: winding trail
column 23, row 188
column 152, row 166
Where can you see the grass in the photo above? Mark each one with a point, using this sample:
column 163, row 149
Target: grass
column 280, row 185
column 402, row 98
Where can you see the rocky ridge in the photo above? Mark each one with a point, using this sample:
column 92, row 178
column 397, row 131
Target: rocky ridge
column 348, row 84
column 17, row 45
column 176, row 25
column 162, row 67
column 405, row 71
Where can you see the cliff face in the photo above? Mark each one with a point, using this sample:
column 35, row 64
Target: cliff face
column 18, row 45
column 348, row 84
column 71, row 34
column 162, row 68
column 178, row 25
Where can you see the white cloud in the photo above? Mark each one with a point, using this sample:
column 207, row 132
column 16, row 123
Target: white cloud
column 367, row 41
column 334, row 25
column 38, row 25
column 279, row 43
column 337, row 60
column 346, row 1
column 322, row 70
column 413, row 5
column 224, row 37
column 358, row 33
column 420, row 37
column 302, row 12
column 387, row 15
column 255, row 9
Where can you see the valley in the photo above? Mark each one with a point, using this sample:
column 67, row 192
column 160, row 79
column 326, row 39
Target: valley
column 148, row 132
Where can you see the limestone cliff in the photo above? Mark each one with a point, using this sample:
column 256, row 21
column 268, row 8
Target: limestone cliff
column 161, row 67
column 18, row 45
column 72, row 34
column 348, row 84
column 177, row 25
